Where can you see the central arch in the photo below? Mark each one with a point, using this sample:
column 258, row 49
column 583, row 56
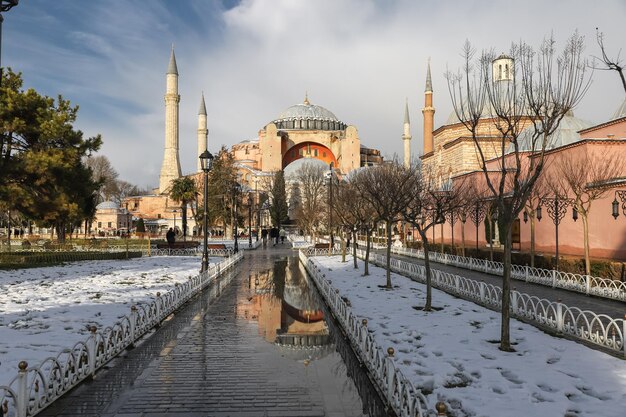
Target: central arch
column 309, row 150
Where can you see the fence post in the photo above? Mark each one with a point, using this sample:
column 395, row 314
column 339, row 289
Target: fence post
column 22, row 394
column 482, row 291
column 553, row 278
column 587, row 284
column 441, row 408
column 526, row 273
column 92, row 351
column 157, row 319
column 391, row 371
column 457, row 284
column 624, row 335
column 133, row 326
column 559, row 316
column 514, row 300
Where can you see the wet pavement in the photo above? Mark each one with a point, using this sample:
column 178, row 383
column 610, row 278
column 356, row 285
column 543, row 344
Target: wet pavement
column 258, row 343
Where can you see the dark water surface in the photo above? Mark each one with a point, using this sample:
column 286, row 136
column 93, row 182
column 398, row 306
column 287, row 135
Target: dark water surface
column 256, row 343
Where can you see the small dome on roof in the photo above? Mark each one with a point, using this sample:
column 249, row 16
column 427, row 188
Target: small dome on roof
column 107, row 205
column 307, row 116
column 565, row 134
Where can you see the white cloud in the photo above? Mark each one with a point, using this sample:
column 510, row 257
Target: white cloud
column 360, row 59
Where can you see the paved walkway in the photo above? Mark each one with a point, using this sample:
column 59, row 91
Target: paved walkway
column 612, row 308
column 210, row 359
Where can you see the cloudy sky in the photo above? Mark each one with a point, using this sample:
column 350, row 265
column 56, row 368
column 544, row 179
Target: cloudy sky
column 254, row 58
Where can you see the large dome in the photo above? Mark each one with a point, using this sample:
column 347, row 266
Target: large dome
column 107, row 205
column 307, row 116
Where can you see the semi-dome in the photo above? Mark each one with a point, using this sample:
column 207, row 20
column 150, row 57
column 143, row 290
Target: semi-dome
column 307, row 116
column 107, row 205
column 620, row 112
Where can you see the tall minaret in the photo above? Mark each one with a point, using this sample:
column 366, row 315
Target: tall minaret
column 429, row 113
column 170, row 170
column 406, row 136
column 203, row 131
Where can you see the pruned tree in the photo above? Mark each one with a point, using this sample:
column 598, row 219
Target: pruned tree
column 539, row 191
column 310, row 210
column 607, row 63
column 279, row 211
column 388, row 189
column 583, row 176
column 541, row 88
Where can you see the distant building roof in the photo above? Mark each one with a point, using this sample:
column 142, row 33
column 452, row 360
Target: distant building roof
column 107, row 205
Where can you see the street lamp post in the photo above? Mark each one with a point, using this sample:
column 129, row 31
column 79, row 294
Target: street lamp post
column 330, row 205
column 235, row 193
column 258, row 209
column 557, row 208
column 174, row 211
column 206, row 159
column 250, row 220
column 5, row 6
column 615, row 205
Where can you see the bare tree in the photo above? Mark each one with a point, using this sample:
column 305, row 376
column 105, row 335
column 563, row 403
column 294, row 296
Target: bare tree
column 310, row 211
column 582, row 176
column 388, row 190
column 430, row 201
column 541, row 89
column 607, row 63
column 103, row 171
column 539, row 191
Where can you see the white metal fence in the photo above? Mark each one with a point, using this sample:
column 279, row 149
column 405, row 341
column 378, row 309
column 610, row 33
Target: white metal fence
column 586, row 284
column 584, row 325
column 406, row 400
column 36, row 387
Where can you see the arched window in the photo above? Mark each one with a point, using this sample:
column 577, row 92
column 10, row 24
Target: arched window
column 499, row 71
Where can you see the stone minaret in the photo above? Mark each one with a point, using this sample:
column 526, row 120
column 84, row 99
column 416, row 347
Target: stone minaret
column 429, row 114
column 406, row 136
column 170, row 170
column 203, row 131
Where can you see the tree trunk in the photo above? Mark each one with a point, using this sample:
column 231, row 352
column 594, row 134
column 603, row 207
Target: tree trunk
column 532, row 241
column 183, row 208
column 442, row 238
column 585, row 219
column 343, row 246
column 354, row 238
column 60, row 227
column 429, row 291
column 505, row 331
column 389, row 255
column 366, row 269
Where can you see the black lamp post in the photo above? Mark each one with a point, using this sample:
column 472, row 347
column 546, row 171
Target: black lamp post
column 250, row 199
column 557, row 208
column 206, row 159
column 5, row 6
column 615, row 205
column 330, row 204
column 236, row 189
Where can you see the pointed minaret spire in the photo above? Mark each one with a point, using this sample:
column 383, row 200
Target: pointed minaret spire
column 306, row 98
column 406, row 136
column 172, row 68
column 202, row 106
column 170, row 170
column 429, row 81
column 203, row 131
column 429, row 114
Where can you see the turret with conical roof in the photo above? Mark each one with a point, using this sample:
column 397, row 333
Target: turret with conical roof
column 170, row 170
column 429, row 113
column 203, row 131
column 406, row 136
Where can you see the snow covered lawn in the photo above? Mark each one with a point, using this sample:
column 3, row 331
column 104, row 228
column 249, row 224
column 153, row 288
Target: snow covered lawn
column 44, row 310
column 453, row 353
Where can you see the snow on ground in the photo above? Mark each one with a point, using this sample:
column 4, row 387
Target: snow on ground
column 454, row 353
column 45, row 310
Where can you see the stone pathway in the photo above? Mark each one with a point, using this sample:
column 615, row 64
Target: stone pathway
column 210, row 360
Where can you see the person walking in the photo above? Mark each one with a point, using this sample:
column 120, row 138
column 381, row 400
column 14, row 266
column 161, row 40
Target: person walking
column 282, row 236
column 170, row 236
column 264, row 237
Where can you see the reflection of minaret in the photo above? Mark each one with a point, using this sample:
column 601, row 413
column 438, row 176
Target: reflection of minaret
column 170, row 170
column 203, row 132
column 429, row 114
column 406, row 136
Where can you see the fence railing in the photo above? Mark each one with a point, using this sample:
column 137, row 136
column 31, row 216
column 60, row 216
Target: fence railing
column 36, row 387
column 586, row 284
column 584, row 325
column 406, row 400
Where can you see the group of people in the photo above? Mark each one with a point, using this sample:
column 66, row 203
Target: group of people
column 275, row 235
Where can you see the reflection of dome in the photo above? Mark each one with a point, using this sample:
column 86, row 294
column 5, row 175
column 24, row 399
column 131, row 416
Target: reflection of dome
column 566, row 133
column 302, row 352
column 105, row 205
column 307, row 116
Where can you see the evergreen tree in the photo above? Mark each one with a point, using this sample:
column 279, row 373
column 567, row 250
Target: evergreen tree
column 278, row 200
column 184, row 191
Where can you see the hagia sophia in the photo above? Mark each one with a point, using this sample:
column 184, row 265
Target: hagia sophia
column 309, row 130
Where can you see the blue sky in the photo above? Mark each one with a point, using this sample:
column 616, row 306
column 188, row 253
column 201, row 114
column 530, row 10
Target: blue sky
column 255, row 58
